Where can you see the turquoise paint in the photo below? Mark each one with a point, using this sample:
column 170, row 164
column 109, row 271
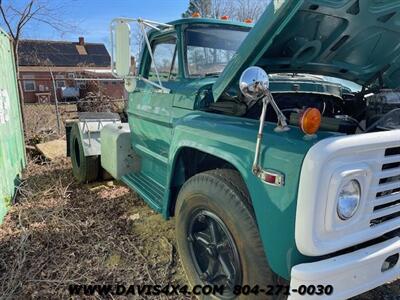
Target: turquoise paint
column 233, row 139
column 164, row 124
column 12, row 149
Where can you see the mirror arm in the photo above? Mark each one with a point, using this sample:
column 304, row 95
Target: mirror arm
column 282, row 123
column 147, row 22
column 256, row 166
column 150, row 52
column 254, row 85
column 281, row 126
column 142, row 23
column 157, row 24
column 163, row 89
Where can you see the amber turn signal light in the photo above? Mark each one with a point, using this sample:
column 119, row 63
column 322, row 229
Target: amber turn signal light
column 310, row 120
column 248, row 21
column 196, row 15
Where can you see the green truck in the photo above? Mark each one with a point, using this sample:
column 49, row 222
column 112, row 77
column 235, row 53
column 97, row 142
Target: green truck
column 288, row 179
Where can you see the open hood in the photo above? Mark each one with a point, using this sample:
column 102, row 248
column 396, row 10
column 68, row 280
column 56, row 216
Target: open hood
column 357, row 40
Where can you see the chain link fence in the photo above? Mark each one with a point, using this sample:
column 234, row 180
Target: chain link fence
column 47, row 109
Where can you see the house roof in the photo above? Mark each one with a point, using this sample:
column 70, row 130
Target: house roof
column 62, row 54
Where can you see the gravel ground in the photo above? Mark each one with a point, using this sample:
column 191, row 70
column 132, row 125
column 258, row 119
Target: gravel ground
column 62, row 233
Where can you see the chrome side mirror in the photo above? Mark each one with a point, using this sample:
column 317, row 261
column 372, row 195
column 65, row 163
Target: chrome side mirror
column 254, row 83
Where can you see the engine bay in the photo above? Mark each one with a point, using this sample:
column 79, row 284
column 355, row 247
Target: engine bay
column 341, row 109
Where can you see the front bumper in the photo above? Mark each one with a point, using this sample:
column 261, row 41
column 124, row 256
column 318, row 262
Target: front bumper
column 349, row 274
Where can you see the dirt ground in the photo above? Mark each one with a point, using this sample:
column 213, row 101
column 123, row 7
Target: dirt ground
column 60, row 232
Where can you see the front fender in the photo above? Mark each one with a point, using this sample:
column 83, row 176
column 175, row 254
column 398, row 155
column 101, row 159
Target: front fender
column 233, row 140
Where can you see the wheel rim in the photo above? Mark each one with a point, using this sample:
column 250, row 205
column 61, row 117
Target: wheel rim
column 213, row 251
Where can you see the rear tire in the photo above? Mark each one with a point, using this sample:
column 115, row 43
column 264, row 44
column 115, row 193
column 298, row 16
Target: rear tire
column 221, row 197
column 84, row 168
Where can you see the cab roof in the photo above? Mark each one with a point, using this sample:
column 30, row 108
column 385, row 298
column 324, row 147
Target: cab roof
column 212, row 21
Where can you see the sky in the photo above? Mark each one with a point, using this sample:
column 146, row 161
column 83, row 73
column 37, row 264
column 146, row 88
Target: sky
column 92, row 17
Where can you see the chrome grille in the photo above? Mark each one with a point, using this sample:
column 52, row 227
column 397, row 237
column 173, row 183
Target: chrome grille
column 387, row 197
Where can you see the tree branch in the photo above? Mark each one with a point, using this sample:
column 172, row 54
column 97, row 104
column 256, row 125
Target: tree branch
column 3, row 14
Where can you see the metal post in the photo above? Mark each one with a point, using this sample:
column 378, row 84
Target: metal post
column 56, row 102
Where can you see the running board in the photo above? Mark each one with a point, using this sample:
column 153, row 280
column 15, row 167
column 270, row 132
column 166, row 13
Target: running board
column 150, row 190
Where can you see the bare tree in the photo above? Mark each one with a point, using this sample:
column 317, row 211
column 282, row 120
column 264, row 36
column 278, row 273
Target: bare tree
column 209, row 8
column 16, row 17
column 221, row 8
column 201, row 6
column 236, row 9
column 249, row 9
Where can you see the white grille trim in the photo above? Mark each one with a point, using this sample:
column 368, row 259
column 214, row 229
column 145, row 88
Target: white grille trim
column 327, row 165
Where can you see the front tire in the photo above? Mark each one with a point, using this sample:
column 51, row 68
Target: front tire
column 217, row 235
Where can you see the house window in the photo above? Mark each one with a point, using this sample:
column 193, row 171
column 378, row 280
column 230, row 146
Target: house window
column 29, row 83
column 60, row 83
column 81, row 84
column 71, row 75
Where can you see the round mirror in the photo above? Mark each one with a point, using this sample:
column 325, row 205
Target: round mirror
column 130, row 84
column 254, row 83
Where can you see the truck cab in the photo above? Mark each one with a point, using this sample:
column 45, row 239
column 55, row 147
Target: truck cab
column 276, row 147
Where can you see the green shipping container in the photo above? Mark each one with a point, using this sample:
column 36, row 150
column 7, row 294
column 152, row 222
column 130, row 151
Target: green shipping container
column 12, row 149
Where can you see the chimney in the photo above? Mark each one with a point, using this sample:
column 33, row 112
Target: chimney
column 80, row 47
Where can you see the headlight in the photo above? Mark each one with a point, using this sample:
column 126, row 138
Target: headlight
column 349, row 199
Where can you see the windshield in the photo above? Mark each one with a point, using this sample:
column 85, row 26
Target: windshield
column 209, row 48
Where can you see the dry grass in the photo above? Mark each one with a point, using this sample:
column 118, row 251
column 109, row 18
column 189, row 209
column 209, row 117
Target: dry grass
column 62, row 232
column 41, row 121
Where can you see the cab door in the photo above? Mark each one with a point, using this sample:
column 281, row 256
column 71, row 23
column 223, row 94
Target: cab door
column 150, row 114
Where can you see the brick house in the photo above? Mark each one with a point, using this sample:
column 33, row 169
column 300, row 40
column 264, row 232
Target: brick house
column 44, row 65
